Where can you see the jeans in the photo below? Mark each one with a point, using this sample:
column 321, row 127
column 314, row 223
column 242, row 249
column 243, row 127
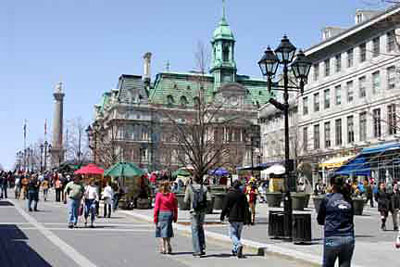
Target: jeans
column 198, row 239
column 73, row 206
column 3, row 189
column 107, row 207
column 45, row 192
column 341, row 247
column 235, row 232
column 395, row 218
column 90, row 207
column 116, row 201
column 33, row 196
column 58, row 194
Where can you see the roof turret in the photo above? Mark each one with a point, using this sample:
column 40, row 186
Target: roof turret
column 223, row 31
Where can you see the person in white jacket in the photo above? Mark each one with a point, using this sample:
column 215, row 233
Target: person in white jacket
column 108, row 196
column 91, row 197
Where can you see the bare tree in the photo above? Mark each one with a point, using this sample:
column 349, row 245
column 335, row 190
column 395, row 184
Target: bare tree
column 76, row 141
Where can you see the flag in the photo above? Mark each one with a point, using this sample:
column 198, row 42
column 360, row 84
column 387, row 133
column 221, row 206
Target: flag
column 45, row 128
column 24, row 128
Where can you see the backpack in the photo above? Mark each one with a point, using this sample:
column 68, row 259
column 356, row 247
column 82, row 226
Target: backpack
column 199, row 199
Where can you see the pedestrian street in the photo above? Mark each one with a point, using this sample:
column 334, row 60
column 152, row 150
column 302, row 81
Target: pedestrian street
column 43, row 239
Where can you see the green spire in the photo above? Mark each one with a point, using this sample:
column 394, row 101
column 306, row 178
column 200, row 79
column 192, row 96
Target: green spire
column 223, row 31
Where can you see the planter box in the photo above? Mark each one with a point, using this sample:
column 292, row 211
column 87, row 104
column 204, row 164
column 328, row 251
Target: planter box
column 358, row 206
column 317, row 202
column 218, row 200
column 181, row 204
column 274, row 199
column 298, row 201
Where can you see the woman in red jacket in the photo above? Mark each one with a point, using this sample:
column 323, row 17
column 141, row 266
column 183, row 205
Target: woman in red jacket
column 165, row 211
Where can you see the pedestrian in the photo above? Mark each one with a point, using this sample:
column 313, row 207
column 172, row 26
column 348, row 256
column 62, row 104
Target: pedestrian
column 2, row 181
column 382, row 198
column 197, row 196
column 17, row 187
column 45, row 187
column 58, row 186
column 236, row 208
column 369, row 192
column 336, row 214
column 251, row 193
column 91, row 198
column 165, row 212
column 394, row 206
column 117, row 194
column 33, row 193
column 74, row 192
column 108, row 196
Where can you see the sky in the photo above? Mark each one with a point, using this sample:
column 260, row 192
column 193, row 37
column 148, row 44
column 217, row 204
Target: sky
column 88, row 44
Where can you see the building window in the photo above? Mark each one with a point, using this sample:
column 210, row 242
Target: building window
column 390, row 41
column 392, row 121
column 350, row 129
column 359, row 18
column 391, row 77
column 316, row 137
column 184, row 101
column 363, row 126
column 377, row 122
column 225, row 52
column 327, row 102
column 350, row 57
column 338, row 94
column 376, row 48
column 305, row 105
column 363, row 52
column 316, row 102
column 376, row 82
column 170, row 100
column 361, row 86
column 327, row 67
column 350, row 92
column 338, row 132
column 305, row 138
column 338, row 61
column 327, row 133
column 316, row 72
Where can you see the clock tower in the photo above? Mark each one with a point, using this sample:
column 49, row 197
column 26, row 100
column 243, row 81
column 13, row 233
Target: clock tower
column 223, row 66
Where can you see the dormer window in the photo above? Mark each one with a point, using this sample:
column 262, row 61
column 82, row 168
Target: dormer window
column 359, row 18
column 170, row 100
column 225, row 52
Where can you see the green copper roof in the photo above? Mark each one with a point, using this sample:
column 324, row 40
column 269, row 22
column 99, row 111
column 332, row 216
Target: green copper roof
column 223, row 31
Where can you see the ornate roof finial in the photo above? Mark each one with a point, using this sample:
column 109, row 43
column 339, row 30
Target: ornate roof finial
column 59, row 87
column 223, row 10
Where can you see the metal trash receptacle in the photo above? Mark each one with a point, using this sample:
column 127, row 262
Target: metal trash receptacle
column 301, row 230
column 276, row 225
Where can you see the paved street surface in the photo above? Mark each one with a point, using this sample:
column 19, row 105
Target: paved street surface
column 43, row 239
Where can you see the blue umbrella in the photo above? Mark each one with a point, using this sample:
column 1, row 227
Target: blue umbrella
column 219, row 172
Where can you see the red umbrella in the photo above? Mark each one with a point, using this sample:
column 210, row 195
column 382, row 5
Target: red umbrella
column 90, row 169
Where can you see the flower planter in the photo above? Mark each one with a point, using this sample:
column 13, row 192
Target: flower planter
column 317, row 202
column 298, row 201
column 181, row 204
column 358, row 206
column 218, row 200
column 274, row 199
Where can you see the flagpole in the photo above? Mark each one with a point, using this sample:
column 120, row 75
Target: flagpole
column 24, row 145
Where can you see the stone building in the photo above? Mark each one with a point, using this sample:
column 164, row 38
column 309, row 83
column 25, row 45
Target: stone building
column 131, row 120
column 351, row 99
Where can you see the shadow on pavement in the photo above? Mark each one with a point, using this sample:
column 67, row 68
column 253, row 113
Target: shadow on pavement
column 6, row 203
column 14, row 251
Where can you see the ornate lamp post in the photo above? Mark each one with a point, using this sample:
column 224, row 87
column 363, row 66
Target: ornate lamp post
column 47, row 148
column 269, row 63
column 91, row 133
column 41, row 157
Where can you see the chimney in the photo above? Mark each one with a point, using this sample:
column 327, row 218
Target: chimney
column 147, row 66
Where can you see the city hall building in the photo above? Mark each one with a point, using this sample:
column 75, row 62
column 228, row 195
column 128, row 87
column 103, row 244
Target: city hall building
column 131, row 121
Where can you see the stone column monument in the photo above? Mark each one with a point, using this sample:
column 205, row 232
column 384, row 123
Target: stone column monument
column 57, row 149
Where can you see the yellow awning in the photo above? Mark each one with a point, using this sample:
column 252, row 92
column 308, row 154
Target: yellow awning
column 335, row 162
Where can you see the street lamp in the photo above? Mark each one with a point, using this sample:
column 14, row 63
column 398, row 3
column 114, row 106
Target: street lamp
column 41, row 157
column 269, row 64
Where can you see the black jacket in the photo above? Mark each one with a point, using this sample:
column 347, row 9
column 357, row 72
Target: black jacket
column 235, row 207
column 394, row 201
column 383, row 200
column 336, row 213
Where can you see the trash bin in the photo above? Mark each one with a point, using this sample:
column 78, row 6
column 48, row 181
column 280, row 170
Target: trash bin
column 358, row 206
column 277, row 220
column 301, row 228
column 298, row 201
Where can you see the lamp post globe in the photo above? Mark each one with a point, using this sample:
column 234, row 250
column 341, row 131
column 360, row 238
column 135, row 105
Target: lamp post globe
column 301, row 68
column 285, row 51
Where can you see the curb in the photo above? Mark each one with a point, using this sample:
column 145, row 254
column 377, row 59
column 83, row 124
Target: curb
column 262, row 249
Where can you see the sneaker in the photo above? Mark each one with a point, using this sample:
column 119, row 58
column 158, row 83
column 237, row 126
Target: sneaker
column 30, row 209
column 197, row 254
column 240, row 252
column 233, row 252
column 202, row 253
column 396, row 228
column 70, row 226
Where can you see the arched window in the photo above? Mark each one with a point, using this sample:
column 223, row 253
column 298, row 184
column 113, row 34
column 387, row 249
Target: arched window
column 184, row 101
column 225, row 52
column 196, row 101
column 170, row 100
